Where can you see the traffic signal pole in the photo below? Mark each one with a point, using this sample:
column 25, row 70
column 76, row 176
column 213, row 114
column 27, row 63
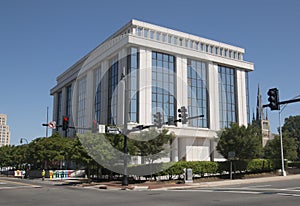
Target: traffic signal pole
column 274, row 104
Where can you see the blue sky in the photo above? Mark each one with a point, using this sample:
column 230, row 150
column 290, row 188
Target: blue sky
column 40, row 39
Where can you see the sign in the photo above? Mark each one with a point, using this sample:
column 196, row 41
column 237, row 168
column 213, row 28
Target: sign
column 52, row 124
column 231, row 155
column 101, row 128
column 113, row 130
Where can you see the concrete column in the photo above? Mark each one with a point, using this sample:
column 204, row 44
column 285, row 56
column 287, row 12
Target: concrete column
column 54, row 112
column 213, row 96
column 182, row 84
column 63, row 101
column 122, row 54
column 241, row 97
column 104, row 91
column 145, row 88
column 89, row 101
column 174, row 157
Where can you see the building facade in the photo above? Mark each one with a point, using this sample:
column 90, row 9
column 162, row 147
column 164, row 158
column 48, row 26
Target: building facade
column 4, row 131
column 155, row 69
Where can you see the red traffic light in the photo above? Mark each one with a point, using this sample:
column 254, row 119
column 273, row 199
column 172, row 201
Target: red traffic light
column 66, row 119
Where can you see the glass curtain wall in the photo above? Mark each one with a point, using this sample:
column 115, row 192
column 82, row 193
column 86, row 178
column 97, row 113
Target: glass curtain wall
column 197, row 93
column 132, row 73
column 81, row 119
column 97, row 75
column 113, row 80
column 163, row 85
column 227, row 96
column 59, row 110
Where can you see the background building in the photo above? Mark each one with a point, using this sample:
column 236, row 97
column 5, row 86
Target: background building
column 4, row 131
column 262, row 120
column 163, row 69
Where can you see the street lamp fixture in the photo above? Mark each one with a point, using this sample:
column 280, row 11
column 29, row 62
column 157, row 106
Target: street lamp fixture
column 26, row 167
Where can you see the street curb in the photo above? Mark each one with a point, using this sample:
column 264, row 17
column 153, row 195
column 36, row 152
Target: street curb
column 230, row 182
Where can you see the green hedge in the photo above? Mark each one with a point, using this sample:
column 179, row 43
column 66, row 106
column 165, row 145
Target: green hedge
column 205, row 167
column 249, row 166
column 294, row 164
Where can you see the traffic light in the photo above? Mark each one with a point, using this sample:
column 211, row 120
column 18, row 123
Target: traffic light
column 273, row 99
column 158, row 120
column 65, row 124
column 95, row 128
column 171, row 120
column 182, row 115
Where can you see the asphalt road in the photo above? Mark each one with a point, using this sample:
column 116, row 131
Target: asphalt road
column 28, row 193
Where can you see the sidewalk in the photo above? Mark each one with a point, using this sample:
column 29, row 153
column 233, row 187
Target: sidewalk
column 173, row 186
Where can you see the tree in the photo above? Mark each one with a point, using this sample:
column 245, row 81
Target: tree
column 273, row 149
column 291, row 129
column 151, row 144
column 48, row 152
column 244, row 141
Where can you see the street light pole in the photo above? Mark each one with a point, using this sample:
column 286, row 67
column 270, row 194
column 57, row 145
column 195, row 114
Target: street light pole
column 26, row 166
column 125, row 149
column 283, row 173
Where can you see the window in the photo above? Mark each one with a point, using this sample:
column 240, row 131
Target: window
column 59, row 108
column 185, row 42
column 180, row 42
column 98, row 92
column 146, row 31
column 196, row 45
column 207, row 47
column 169, row 39
column 69, row 101
column 175, row 40
column 163, row 85
column 227, row 96
column 247, row 95
column 197, row 93
column 132, row 71
column 164, row 37
column 113, row 81
column 81, row 101
column 191, row 44
column 217, row 50
column 158, row 36
column 151, row 34
column 69, row 106
column 139, row 31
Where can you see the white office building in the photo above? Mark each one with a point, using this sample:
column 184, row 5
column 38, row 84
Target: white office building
column 164, row 69
column 4, row 131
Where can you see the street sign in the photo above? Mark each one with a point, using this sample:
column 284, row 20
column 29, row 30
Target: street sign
column 113, row 130
column 231, row 155
column 101, row 128
column 52, row 125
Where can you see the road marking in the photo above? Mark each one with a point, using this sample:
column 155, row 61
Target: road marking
column 293, row 188
column 287, row 194
column 252, row 190
column 258, row 186
column 20, row 185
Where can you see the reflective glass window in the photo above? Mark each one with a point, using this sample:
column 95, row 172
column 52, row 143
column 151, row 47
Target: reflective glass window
column 197, row 93
column 163, row 87
column 227, row 96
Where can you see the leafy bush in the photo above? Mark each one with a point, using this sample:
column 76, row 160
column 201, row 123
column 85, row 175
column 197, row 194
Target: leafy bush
column 294, row 164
